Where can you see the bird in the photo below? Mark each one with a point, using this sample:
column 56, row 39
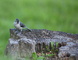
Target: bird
column 19, row 25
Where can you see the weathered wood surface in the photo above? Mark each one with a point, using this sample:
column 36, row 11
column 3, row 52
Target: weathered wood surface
column 65, row 58
column 24, row 43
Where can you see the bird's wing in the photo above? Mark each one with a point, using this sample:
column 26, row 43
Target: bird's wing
column 22, row 25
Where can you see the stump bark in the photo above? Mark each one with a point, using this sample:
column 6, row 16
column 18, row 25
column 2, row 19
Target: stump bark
column 23, row 44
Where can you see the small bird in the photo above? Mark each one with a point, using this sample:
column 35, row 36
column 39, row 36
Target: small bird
column 19, row 25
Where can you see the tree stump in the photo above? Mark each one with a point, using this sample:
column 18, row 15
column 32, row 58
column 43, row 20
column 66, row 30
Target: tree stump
column 23, row 44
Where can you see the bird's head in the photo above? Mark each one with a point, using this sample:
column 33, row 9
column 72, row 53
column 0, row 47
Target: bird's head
column 17, row 20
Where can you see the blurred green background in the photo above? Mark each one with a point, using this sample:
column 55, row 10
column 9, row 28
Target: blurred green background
column 56, row 15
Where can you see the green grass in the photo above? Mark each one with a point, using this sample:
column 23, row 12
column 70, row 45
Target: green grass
column 56, row 15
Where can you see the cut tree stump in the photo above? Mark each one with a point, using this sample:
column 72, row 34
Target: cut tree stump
column 23, row 44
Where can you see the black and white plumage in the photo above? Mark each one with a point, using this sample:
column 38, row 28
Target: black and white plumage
column 19, row 25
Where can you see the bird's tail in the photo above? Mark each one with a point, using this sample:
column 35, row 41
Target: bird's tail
column 28, row 29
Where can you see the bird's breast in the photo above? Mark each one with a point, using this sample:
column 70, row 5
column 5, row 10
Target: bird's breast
column 17, row 26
